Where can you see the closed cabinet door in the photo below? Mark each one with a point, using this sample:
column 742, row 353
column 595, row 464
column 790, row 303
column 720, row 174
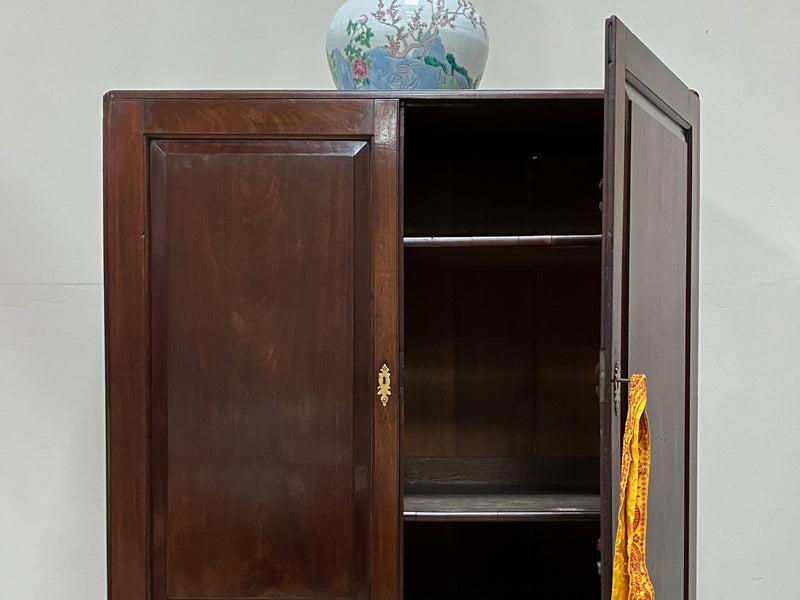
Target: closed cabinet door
column 244, row 237
column 650, row 298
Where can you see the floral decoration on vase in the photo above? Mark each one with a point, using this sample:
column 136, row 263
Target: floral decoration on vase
column 407, row 44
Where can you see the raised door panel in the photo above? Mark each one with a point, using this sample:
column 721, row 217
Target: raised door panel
column 651, row 225
column 657, row 332
column 260, row 403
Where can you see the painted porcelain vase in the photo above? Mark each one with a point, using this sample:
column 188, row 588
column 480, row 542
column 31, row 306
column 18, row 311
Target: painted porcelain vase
column 407, row 44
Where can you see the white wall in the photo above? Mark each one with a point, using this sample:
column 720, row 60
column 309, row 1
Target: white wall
column 58, row 58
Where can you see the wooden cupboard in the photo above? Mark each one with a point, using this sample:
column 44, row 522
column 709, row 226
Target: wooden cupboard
column 373, row 346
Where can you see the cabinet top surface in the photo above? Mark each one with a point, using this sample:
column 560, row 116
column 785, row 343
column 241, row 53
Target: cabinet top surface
column 351, row 95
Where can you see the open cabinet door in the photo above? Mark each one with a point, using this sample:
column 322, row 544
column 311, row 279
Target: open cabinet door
column 650, row 298
column 251, row 303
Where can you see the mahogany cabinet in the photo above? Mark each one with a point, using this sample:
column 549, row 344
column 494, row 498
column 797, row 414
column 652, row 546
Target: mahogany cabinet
column 373, row 346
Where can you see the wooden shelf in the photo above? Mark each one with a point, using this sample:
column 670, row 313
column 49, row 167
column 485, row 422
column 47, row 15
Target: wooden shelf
column 504, row 241
column 509, row 506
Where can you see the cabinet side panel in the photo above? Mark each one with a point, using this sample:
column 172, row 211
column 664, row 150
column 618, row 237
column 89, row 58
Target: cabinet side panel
column 260, row 480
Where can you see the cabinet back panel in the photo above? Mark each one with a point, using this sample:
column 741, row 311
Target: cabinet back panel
column 487, row 195
column 505, row 472
column 568, row 334
column 500, row 361
column 469, row 378
column 260, row 321
column 535, row 561
column 510, row 167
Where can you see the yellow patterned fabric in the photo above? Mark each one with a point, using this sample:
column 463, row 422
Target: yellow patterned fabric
column 631, row 580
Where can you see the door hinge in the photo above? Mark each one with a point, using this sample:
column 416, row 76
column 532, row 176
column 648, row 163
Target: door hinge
column 402, row 363
column 601, row 376
column 617, row 381
column 600, row 562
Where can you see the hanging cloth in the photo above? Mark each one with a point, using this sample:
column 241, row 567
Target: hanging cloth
column 631, row 580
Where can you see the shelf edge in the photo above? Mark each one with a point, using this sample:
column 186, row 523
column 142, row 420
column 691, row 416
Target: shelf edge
column 502, row 241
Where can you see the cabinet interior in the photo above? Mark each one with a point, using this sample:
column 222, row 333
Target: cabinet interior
column 501, row 330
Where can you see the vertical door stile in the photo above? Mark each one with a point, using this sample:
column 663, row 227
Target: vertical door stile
column 613, row 260
column 386, row 235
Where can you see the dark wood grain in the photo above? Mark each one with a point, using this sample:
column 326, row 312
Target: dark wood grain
column 210, row 471
column 530, row 560
column 408, row 96
column 386, row 249
column 127, row 336
column 499, row 257
column 501, row 324
column 480, row 195
column 500, row 359
column 492, row 597
column 502, row 241
column 650, row 322
column 507, row 472
column 258, row 468
column 541, row 505
column 657, row 327
column 429, row 356
column 653, row 79
column 566, row 187
column 469, row 354
column 401, row 335
column 692, row 320
column 613, row 249
column 567, row 335
column 258, row 117
column 487, row 333
column 502, row 167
